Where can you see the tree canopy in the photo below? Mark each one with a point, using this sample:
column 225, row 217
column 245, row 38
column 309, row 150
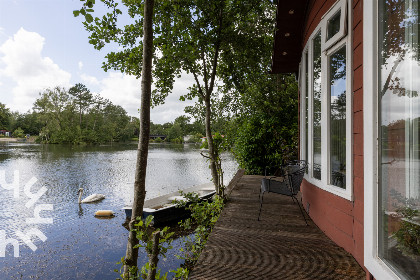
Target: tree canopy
column 75, row 116
column 214, row 41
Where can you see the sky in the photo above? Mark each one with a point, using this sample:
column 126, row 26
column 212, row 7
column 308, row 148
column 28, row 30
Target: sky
column 42, row 45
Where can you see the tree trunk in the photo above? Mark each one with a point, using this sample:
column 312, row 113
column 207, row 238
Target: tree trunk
column 153, row 256
column 143, row 147
column 209, row 136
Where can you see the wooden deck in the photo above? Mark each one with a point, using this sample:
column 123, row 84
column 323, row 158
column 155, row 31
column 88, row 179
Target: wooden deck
column 280, row 246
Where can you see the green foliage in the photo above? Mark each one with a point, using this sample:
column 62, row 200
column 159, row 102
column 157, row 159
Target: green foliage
column 75, row 116
column 214, row 41
column 177, row 130
column 220, row 145
column 408, row 235
column 4, row 116
column 144, row 233
column 19, row 133
column 175, row 133
column 29, row 122
column 181, row 273
column 266, row 132
column 204, row 144
column 204, row 215
column 196, row 138
column 178, row 140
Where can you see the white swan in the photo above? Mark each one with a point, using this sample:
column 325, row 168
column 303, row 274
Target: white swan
column 91, row 198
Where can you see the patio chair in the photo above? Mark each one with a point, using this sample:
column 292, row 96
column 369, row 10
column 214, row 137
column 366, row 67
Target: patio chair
column 286, row 184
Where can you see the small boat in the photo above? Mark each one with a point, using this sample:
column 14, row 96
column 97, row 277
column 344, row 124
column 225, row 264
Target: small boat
column 164, row 210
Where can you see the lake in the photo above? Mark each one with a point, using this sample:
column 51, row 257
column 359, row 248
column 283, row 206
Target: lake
column 76, row 245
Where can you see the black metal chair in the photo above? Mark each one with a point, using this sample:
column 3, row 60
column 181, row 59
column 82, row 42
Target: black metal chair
column 286, row 181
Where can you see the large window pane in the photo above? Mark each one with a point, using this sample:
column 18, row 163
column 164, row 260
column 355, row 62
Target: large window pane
column 316, row 117
column 399, row 138
column 337, row 84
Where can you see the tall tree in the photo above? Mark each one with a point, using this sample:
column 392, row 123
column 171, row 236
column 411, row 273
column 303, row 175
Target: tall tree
column 82, row 98
column 265, row 129
column 58, row 119
column 203, row 38
column 106, row 30
column 143, row 147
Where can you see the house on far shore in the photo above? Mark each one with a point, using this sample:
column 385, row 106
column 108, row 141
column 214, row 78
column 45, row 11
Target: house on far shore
column 5, row 133
column 358, row 67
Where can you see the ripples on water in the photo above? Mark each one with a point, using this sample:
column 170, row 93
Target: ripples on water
column 80, row 246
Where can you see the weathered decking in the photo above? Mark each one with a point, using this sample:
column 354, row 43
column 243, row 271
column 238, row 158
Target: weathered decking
column 280, row 246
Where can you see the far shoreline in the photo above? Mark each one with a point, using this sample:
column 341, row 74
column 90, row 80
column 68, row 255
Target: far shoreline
column 12, row 139
column 8, row 139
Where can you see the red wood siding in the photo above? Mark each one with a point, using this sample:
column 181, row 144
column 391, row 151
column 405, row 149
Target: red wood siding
column 358, row 183
column 339, row 218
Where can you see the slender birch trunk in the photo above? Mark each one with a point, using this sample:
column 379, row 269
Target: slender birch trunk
column 154, row 256
column 212, row 155
column 143, row 147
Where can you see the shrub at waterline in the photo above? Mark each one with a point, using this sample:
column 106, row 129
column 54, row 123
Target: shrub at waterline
column 204, row 215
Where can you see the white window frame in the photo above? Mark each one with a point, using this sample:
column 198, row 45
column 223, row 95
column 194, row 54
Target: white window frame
column 376, row 266
column 340, row 5
column 347, row 193
column 324, row 184
column 304, row 92
column 311, row 102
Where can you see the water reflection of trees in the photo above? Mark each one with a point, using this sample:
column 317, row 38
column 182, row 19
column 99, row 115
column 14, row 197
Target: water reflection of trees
column 317, row 107
column 337, row 80
column 400, row 43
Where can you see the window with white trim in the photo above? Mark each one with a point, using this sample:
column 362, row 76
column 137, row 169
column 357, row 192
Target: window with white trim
column 326, row 141
column 391, row 67
column 399, row 138
column 335, row 21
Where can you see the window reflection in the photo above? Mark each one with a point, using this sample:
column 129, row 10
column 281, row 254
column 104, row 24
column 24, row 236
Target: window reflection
column 316, row 91
column 399, row 168
column 333, row 25
column 337, row 83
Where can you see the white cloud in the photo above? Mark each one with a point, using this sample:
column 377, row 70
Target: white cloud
column 173, row 107
column 21, row 62
column 125, row 91
column 122, row 90
column 27, row 72
column 90, row 80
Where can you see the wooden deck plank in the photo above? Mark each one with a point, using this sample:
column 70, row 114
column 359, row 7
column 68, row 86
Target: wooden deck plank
column 280, row 246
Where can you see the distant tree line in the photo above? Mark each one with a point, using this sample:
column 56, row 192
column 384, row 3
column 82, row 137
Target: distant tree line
column 177, row 130
column 77, row 116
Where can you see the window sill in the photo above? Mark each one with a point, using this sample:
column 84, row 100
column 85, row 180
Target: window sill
column 344, row 193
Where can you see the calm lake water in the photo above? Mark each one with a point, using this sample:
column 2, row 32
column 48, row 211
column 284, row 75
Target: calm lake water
column 78, row 245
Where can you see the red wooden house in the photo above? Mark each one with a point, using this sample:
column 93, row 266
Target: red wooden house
column 358, row 63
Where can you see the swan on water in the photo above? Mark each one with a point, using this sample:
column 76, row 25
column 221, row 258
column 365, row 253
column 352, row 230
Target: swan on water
column 91, row 198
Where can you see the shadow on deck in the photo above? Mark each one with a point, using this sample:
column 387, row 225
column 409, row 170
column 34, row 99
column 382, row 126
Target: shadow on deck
column 280, row 246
